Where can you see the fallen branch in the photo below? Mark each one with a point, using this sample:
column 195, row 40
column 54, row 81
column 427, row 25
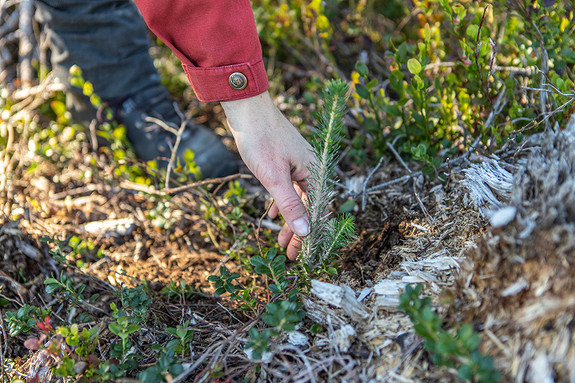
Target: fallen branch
column 127, row 185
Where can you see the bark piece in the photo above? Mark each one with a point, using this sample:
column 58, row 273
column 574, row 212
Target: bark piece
column 340, row 296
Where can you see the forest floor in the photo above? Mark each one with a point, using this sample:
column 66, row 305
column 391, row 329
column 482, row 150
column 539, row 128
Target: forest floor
column 110, row 234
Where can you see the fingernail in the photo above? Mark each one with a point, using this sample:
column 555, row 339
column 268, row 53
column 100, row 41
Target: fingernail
column 301, row 227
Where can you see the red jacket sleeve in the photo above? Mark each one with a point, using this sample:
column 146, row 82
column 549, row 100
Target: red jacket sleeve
column 217, row 42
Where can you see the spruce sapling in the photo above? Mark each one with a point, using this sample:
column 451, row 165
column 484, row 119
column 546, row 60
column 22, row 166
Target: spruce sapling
column 327, row 234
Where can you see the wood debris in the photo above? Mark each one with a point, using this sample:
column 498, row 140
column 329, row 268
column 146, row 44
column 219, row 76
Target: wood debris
column 518, row 283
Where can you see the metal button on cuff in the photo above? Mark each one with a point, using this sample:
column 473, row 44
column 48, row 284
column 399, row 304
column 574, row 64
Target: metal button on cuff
column 238, row 81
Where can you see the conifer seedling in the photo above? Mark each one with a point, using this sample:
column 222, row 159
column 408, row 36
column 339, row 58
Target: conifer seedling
column 328, row 234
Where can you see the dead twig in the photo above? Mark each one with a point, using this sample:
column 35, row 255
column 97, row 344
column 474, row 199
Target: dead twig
column 477, row 50
column 3, row 347
column 393, row 182
column 178, row 133
column 26, row 48
column 543, row 55
column 398, row 157
column 180, row 189
column 5, row 160
column 552, row 90
column 308, row 372
column 10, row 25
column 45, row 86
column 497, row 108
column 421, row 205
column 20, row 289
column 364, row 186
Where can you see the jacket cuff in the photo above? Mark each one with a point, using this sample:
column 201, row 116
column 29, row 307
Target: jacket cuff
column 214, row 84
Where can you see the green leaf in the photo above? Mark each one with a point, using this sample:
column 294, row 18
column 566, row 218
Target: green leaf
column 361, row 68
column 133, row 328
column 419, row 85
column 427, row 33
column 347, row 206
column 171, row 345
column 465, row 372
column 316, row 328
column 362, row 91
column 414, row 66
column 428, row 170
column 396, row 81
column 401, row 53
column 274, row 289
column 371, row 84
column 51, row 288
column 257, row 261
column 446, row 7
column 115, row 328
column 568, row 55
column 394, row 110
column 472, row 31
column 278, row 264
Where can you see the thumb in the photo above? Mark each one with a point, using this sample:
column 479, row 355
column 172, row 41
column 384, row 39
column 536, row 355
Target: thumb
column 291, row 207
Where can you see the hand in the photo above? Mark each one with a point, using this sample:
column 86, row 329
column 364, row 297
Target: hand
column 278, row 156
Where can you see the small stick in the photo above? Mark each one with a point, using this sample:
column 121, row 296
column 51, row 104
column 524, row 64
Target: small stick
column 3, row 348
column 398, row 157
column 163, row 192
column 553, row 90
column 392, row 182
column 93, row 136
column 492, row 61
column 5, row 159
column 422, row 206
column 26, row 46
column 364, row 186
column 10, row 25
column 178, row 133
column 45, row 86
column 478, row 49
column 20, row 289
column 174, row 152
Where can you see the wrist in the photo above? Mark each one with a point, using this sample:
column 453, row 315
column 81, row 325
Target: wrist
column 246, row 113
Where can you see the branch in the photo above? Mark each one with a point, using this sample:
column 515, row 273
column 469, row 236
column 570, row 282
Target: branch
column 171, row 191
column 26, row 41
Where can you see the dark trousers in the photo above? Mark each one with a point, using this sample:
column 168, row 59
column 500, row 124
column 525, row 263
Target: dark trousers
column 107, row 39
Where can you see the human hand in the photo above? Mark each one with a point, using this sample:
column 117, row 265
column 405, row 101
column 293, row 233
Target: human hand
column 278, row 156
